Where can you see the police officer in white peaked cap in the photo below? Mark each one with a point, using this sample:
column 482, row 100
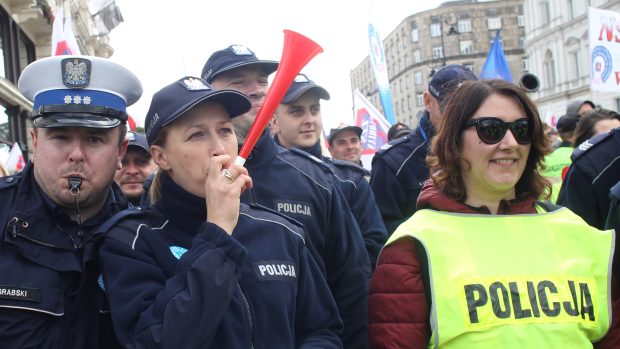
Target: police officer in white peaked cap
column 94, row 91
column 51, row 293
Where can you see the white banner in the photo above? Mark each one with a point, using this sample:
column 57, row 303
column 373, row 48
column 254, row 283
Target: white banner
column 604, row 36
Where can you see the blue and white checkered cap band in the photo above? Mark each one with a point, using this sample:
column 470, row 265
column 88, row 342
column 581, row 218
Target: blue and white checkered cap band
column 80, row 97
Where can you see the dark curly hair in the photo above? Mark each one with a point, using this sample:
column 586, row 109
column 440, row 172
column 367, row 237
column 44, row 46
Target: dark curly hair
column 445, row 158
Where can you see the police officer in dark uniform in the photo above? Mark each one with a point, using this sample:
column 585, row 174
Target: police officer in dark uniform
column 50, row 213
column 301, row 187
column 298, row 124
column 199, row 269
column 399, row 169
column 594, row 170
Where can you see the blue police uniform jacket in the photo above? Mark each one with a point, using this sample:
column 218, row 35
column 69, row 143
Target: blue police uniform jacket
column 49, row 291
column 356, row 190
column 177, row 281
column 303, row 188
column 594, row 170
column 399, row 171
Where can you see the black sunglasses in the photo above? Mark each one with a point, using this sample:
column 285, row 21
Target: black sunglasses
column 491, row 130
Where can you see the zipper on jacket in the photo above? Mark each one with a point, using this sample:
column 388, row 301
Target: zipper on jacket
column 248, row 313
column 16, row 223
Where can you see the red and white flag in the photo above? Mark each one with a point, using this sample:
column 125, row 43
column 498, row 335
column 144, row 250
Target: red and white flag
column 374, row 127
column 15, row 162
column 63, row 40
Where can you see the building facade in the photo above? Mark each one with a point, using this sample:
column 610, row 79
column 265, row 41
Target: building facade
column 457, row 32
column 25, row 35
column 557, row 50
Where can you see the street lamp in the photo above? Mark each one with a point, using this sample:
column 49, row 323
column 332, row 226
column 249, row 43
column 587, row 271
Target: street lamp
column 450, row 19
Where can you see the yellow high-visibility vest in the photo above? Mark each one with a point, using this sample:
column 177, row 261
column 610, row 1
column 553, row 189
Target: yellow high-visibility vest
column 514, row 281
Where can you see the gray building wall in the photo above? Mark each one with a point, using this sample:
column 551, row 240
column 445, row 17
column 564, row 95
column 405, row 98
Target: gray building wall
column 410, row 62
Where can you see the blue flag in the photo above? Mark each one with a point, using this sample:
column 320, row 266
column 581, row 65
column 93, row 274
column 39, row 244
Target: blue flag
column 496, row 66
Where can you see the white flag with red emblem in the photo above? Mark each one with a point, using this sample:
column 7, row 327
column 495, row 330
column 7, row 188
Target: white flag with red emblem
column 15, row 162
column 63, row 40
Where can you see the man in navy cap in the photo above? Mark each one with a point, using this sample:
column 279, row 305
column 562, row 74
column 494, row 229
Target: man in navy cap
column 137, row 166
column 299, row 123
column 49, row 293
column 399, row 169
column 302, row 188
column 345, row 144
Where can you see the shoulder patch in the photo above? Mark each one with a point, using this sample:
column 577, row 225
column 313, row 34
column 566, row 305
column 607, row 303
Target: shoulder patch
column 592, row 143
column 392, row 143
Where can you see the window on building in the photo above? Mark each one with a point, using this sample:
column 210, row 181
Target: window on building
column 415, row 35
column 574, row 62
column 464, row 25
column 525, row 63
column 435, row 30
column 521, row 20
column 522, row 41
column 419, row 99
column 545, row 12
column 467, row 47
column 5, row 132
column 437, row 52
column 418, row 78
column 417, row 57
column 494, row 23
column 549, row 69
column 571, row 9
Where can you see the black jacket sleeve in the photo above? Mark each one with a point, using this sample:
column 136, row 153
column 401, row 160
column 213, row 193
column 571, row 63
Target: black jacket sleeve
column 348, row 272
column 366, row 212
column 313, row 299
column 580, row 196
column 156, row 306
column 390, row 194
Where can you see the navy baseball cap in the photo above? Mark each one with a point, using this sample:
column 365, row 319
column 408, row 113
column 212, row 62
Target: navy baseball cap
column 234, row 56
column 175, row 99
column 79, row 91
column 301, row 85
column 335, row 131
column 568, row 122
column 447, row 79
column 137, row 140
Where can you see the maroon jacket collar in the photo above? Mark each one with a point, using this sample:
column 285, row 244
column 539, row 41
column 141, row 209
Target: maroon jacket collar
column 432, row 198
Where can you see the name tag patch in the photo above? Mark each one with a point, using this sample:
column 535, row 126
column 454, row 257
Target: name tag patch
column 20, row 293
column 275, row 270
column 293, row 208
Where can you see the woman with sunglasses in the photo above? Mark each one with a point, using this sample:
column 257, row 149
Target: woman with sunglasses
column 482, row 264
column 199, row 269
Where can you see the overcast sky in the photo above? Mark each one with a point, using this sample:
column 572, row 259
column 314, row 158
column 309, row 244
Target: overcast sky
column 161, row 41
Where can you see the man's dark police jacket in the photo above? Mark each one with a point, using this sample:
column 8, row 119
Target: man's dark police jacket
column 49, row 291
column 303, row 188
column 398, row 172
column 352, row 181
column 595, row 169
column 177, row 281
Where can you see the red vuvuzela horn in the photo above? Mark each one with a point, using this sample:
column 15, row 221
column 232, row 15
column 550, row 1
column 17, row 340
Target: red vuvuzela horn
column 297, row 52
